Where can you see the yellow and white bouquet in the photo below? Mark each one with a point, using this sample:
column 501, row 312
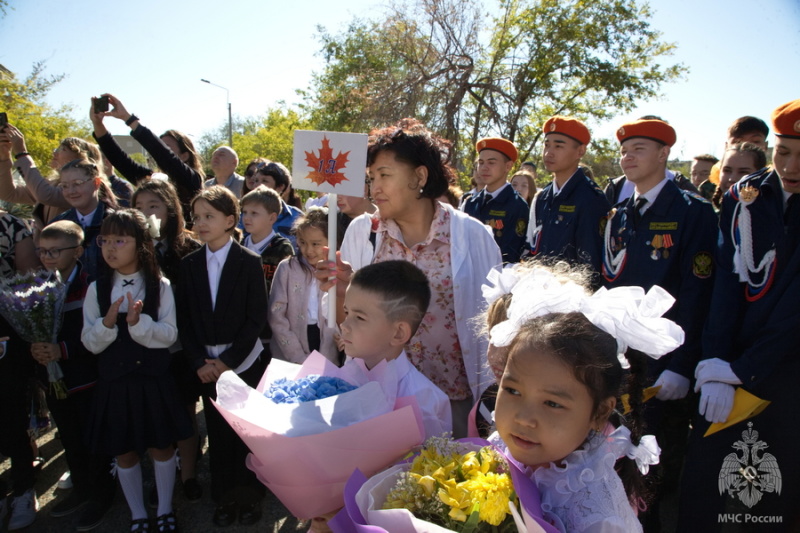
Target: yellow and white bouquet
column 466, row 486
column 461, row 491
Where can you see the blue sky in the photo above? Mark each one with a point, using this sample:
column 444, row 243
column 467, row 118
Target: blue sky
column 744, row 58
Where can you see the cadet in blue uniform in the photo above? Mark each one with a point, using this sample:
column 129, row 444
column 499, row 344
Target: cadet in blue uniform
column 744, row 477
column 669, row 242
column 567, row 217
column 498, row 205
column 663, row 235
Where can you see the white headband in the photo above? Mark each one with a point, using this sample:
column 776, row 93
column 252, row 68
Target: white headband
column 628, row 314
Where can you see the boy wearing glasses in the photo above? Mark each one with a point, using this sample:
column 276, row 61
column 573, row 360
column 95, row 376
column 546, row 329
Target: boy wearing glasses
column 93, row 487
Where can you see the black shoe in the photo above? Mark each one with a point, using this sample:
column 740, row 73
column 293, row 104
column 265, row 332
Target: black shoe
column 69, row 504
column 225, row 514
column 152, row 500
column 167, row 523
column 192, row 490
column 249, row 514
column 92, row 515
column 142, row 525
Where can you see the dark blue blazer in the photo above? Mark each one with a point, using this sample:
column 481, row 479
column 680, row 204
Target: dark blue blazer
column 673, row 247
column 571, row 222
column 758, row 330
column 507, row 214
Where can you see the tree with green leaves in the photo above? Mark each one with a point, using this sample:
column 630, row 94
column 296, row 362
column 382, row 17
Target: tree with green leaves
column 270, row 136
column 43, row 126
column 469, row 74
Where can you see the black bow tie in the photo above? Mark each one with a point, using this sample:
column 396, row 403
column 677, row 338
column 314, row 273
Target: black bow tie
column 126, row 282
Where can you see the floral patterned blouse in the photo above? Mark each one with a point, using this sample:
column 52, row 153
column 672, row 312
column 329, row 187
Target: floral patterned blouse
column 434, row 349
column 12, row 230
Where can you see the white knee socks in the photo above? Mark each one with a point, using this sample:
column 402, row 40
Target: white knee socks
column 131, row 481
column 165, row 482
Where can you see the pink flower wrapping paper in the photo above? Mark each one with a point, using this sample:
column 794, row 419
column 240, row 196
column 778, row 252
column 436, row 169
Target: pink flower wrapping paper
column 367, row 429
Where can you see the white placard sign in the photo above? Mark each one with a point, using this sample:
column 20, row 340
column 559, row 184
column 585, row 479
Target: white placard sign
column 329, row 162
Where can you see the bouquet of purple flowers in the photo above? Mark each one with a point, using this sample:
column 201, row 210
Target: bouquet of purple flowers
column 32, row 304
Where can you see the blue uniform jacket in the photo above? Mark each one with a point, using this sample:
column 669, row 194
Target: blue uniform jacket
column 569, row 226
column 672, row 247
column 756, row 329
column 507, row 214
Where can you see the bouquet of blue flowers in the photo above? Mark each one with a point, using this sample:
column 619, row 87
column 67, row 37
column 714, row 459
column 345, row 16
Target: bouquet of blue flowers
column 307, row 389
column 32, row 304
column 308, row 427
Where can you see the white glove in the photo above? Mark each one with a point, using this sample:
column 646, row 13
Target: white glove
column 673, row 386
column 714, row 370
column 716, row 401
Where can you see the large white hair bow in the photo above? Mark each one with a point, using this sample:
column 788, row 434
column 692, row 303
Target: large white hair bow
column 500, row 283
column 628, row 314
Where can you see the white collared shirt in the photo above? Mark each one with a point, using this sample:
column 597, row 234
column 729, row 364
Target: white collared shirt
column 433, row 403
column 650, row 195
column 628, row 188
column 215, row 261
column 496, row 192
column 86, row 220
column 259, row 246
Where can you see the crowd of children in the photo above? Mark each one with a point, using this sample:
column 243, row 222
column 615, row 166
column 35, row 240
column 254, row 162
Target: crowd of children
column 156, row 312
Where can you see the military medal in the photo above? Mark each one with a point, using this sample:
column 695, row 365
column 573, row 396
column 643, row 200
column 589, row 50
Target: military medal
column 667, row 244
column 656, row 244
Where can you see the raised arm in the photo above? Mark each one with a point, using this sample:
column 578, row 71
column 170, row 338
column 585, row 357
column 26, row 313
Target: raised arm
column 127, row 167
column 186, row 179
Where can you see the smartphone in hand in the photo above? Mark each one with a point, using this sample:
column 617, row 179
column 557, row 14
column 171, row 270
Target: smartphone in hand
column 101, row 104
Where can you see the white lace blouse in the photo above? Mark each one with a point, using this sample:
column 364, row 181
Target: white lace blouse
column 586, row 495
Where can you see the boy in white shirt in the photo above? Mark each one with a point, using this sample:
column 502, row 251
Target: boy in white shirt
column 384, row 305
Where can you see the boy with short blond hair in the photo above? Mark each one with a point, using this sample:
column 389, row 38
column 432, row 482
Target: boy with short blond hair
column 260, row 210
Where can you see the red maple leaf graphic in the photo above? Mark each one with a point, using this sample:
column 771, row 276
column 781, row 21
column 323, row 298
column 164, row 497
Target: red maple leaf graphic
column 325, row 168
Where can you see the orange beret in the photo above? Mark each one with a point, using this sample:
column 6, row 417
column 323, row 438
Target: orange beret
column 503, row 146
column 656, row 130
column 786, row 120
column 571, row 127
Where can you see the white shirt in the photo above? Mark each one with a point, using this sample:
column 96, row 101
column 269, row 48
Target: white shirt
column 496, row 192
column 628, row 187
column 259, row 246
column 650, row 195
column 160, row 333
column 215, row 261
column 312, row 313
column 433, row 403
column 86, row 220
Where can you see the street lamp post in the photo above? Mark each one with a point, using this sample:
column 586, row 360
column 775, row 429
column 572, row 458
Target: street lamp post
column 230, row 118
